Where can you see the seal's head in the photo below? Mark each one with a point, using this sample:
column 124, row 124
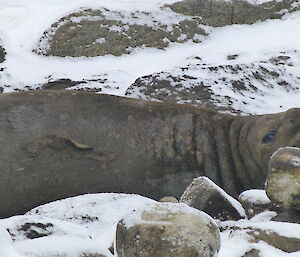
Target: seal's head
column 268, row 133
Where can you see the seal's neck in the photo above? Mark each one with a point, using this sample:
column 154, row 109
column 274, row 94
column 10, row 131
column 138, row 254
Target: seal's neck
column 248, row 172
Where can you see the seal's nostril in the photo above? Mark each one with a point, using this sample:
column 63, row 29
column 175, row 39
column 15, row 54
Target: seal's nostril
column 292, row 121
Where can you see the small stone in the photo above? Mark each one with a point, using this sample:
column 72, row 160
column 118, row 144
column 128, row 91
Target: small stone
column 232, row 57
column 2, row 54
column 60, row 84
column 255, row 201
column 252, row 253
column 169, row 199
column 91, row 255
column 283, row 181
column 167, row 229
column 203, row 194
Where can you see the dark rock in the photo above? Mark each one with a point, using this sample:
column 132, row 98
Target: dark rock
column 89, row 255
column 60, row 84
column 252, row 253
column 94, row 33
column 167, row 229
column 221, row 13
column 287, row 216
column 206, row 196
column 232, row 57
column 2, row 54
column 36, row 230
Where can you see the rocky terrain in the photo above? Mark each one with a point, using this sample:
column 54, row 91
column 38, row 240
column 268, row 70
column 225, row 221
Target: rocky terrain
column 163, row 50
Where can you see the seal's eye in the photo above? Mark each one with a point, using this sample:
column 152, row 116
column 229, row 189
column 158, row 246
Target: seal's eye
column 269, row 137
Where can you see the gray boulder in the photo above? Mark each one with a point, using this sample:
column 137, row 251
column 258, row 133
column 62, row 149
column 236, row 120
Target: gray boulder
column 99, row 32
column 221, row 12
column 283, row 180
column 203, row 194
column 167, row 229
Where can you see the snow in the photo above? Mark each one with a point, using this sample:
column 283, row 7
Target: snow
column 237, row 244
column 296, row 161
column 22, row 25
column 164, row 208
column 87, row 223
column 255, row 196
column 6, row 248
column 82, row 224
column 290, row 230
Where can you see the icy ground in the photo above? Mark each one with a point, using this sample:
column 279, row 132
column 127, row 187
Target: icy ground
column 87, row 223
column 23, row 22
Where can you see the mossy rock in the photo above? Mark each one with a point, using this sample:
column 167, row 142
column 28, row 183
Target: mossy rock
column 93, row 33
column 222, row 13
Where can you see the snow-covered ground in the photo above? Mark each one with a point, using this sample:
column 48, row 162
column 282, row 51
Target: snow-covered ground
column 22, row 24
column 87, row 223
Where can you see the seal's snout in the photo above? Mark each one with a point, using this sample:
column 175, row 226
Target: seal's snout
column 295, row 142
column 293, row 117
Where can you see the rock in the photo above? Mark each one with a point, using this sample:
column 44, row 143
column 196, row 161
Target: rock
column 2, row 54
column 235, row 88
column 284, row 236
column 32, row 230
column 252, row 253
column 221, row 13
column 99, row 32
column 91, row 255
column 60, row 84
column 168, row 199
column 288, row 216
column 167, row 229
column 100, row 83
column 205, row 195
column 283, row 180
column 255, row 201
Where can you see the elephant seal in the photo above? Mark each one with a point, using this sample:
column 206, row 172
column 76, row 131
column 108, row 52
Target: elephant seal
column 57, row 144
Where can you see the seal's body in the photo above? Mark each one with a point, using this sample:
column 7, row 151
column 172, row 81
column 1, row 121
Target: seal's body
column 56, row 144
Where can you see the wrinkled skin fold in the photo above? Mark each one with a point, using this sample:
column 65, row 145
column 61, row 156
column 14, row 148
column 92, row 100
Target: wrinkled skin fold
column 57, row 144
